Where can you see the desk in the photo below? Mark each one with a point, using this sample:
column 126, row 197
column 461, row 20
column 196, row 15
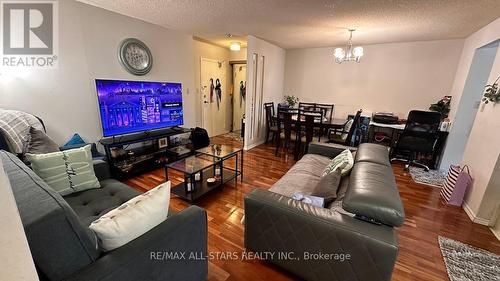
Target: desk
column 394, row 130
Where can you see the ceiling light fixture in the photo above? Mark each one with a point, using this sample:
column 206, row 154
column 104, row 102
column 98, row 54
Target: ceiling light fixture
column 350, row 54
column 235, row 46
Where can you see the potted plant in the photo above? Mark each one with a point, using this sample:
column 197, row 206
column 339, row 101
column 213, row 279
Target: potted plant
column 291, row 100
column 442, row 106
column 491, row 93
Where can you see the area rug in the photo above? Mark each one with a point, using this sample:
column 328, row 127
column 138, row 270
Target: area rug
column 432, row 177
column 464, row 262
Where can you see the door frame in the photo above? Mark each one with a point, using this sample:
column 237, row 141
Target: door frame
column 232, row 64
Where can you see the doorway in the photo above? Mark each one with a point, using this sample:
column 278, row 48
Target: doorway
column 479, row 71
column 239, row 74
column 214, row 99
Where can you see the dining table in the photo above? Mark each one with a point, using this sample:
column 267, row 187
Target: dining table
column 334, row 123
column 324, row 126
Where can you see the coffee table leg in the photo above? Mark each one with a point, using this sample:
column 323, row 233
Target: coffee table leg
column 166, row 173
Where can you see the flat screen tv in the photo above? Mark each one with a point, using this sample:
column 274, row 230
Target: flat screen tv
column 135, row 106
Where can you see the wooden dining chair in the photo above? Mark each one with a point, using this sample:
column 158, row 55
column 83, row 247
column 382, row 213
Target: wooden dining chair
column 318, row 120
column 284, row 126
column 308, row 121
column 327, row 110
column 307, row 105
column 271, row 123
column 344, row 136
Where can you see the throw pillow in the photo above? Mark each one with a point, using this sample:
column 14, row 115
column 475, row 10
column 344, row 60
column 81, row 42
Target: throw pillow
column 39, row 143
column 66, row 171
column 343, row 161
column 327, row 186
column 75, row 139
column 133, row 218
column 347, row 128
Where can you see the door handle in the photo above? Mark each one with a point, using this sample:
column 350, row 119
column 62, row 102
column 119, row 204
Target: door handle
column 205, row 101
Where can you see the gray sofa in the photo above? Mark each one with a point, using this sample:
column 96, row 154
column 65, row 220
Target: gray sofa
column 312, row 242
column 64, row 248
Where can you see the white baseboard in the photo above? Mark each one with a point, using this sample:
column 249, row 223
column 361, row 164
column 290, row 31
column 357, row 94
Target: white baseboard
column 473, row 216
column 496, row 233
column 250, row 146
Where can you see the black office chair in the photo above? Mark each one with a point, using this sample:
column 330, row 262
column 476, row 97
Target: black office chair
column 419, row 137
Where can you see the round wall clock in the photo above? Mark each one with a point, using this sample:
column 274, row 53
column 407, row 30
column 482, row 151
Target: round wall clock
column 135, row 56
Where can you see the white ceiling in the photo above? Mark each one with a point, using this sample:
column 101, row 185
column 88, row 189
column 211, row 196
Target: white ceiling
column 314, row 23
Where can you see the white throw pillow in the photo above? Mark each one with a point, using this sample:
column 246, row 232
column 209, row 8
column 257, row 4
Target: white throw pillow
column 343, row 161
column 133, row 218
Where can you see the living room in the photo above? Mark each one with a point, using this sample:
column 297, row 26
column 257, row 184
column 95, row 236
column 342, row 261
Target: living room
column 228, row 116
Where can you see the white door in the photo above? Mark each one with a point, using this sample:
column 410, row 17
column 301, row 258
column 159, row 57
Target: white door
column 239, row 81
column 213, row 74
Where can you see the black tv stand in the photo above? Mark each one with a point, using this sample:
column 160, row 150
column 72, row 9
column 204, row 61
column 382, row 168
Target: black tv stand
column 133, row 154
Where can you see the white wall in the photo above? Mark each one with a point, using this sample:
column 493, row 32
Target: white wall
column 394, row 77
column 272, row 86
column 17, row 262
column 482, row 150
column 468, row 104
column 239, row 55
column 65, row 98
column 482, row 153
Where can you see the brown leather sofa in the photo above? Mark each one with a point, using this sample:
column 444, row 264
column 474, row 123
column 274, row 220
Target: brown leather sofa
column 352, row 239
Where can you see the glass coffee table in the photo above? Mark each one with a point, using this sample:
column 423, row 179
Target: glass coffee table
column 207, row 163
column 224, row 152
column 196, row 170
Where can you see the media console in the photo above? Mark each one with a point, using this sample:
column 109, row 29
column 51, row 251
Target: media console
column 130, row 155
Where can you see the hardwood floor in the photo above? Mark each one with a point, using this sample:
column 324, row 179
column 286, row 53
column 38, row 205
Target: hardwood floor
column 419, row 257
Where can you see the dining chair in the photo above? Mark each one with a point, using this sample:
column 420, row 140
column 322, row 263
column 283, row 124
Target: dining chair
column 344, row 136
column 318, row 120
column 327, row 110
column 284, row 125
column 307, row 105
column 308, row 121
column 271, row 123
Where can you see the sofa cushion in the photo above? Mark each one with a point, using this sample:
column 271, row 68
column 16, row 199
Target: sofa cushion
column 91, row 204
column 374, row 153
column 327, row 186
column 133, row 218
column 66, row 171
column 343, row 161
column 373, row 194
column 302, row 177
column 39, row 143
column 59, row 243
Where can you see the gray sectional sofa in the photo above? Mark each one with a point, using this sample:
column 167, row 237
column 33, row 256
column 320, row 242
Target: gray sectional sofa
column 64, row 248
column 354, row 238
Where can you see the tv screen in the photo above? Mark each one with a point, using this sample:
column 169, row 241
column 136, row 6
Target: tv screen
column 135, row 106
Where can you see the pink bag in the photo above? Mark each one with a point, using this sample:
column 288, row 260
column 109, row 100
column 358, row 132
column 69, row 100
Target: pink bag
column 456, row 184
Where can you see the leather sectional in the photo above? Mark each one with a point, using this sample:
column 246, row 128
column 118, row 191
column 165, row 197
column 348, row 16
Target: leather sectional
column 354, row 238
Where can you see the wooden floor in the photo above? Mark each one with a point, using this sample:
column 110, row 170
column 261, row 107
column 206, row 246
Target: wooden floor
column 419, row 257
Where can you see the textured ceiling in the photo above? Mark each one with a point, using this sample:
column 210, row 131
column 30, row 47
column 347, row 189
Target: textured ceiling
column 314, row 23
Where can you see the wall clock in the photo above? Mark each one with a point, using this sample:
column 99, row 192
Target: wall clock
column 135, row 56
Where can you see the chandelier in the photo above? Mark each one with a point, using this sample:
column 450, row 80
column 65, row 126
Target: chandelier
column 350, row 54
